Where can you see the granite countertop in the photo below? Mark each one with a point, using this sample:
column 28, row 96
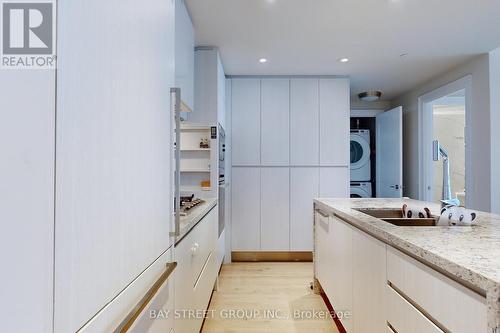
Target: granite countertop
column 189, row 221
column 469, row 255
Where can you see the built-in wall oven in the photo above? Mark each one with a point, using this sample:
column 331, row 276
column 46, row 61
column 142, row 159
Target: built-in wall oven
column 222, row 183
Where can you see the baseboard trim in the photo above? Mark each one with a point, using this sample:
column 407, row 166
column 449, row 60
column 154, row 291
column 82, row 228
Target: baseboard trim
column 271, row 256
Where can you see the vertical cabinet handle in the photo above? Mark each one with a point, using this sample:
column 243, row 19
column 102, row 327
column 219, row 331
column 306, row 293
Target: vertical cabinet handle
column 175, row 109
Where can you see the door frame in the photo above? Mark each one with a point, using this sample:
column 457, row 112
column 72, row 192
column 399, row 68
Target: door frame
column 425, row 128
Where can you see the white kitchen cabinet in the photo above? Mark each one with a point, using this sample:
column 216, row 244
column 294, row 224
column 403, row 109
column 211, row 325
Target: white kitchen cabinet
column 245, row 209
column 196, row 272
column 221, row 93
column 27, row 130
column 334, row 113
column 114, row 313
column 404, row 317
column 304, row 122
column 210, row 88
column 275, row 112
column 334, row 263
column 113, row 198
column 369, row 282
column 304, row 187
column 456, row 307
column 184, row 53
column 158, row 315
column 246, row 124
column 334, row 182
column 321, row 246
column 275, row 209
column 339, row 271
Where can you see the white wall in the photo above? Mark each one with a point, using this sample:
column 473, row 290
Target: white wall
column 480, row 130
column 495, row 130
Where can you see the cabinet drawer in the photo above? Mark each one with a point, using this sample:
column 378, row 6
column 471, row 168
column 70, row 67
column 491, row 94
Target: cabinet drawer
column 205, row 283
column 162, row 308
column 455, row 307
column 404, row 317
column 198, row 244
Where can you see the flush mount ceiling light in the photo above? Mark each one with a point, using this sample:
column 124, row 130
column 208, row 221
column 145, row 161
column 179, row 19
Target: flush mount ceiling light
column 262, row 60
column 344, row 60
column 370, row 96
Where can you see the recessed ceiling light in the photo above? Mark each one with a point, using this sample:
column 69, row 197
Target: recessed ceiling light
column 262, row 60
column 344, row 60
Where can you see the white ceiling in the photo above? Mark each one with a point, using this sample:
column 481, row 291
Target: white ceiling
column 308, row 36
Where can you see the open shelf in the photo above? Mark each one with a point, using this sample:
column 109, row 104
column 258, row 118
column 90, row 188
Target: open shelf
column 195, row 149
column 195, row 170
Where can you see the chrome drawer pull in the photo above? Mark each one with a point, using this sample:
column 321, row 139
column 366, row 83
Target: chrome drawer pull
column 136, row 311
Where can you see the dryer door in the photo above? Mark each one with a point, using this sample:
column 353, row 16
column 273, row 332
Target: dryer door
column 360, row 151
column 358, row 192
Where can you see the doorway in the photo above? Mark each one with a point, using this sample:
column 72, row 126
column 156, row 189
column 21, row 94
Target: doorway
column 443, row 117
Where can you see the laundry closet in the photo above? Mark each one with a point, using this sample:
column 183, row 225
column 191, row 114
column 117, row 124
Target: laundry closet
column 376, row 153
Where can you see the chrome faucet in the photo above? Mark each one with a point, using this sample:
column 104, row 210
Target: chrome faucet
column 437, row 152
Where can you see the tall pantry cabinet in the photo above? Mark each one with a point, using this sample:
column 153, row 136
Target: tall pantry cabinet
column 87, row 188
column 290, row 144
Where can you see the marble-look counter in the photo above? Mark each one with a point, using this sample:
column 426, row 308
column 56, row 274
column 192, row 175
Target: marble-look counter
column 469, row 255
column 189, row 221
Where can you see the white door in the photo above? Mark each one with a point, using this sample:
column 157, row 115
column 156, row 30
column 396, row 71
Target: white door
column 304, row 187
column 245, row 209
column 246, row 122
column 113, row 190
column 334, row 110
column 304, row 122
column 275, row 112
column 334, row 182
column 389, row 138
column 275, row 211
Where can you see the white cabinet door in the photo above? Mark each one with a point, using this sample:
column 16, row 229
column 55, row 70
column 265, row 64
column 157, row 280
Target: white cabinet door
column 304, row 187
column 339, row 270
column 334, row 182
column 113, row 198
column 245, row 209
column 246, row 121
column 334, row 110
column 275, row 201
column 369, row 282
column 275, row 121
column 321, row 247
column 304, row 122
column 184, row 53
column 27, row 130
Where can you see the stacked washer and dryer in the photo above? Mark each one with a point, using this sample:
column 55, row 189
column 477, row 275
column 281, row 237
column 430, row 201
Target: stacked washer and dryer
column 361, row 186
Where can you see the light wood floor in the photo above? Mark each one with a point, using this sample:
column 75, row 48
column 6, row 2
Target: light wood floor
column 281, row 288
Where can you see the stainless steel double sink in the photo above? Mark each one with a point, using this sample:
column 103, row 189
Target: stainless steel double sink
column 395, row 217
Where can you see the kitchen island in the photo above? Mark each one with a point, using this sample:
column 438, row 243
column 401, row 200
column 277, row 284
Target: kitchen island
column 430, row 267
